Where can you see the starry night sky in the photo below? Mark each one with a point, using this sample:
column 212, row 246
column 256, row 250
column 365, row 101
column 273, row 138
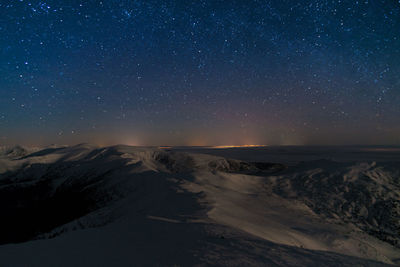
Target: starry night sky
column 200, row 72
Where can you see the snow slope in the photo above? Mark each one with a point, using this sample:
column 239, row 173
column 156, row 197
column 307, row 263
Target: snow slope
column 122, row 206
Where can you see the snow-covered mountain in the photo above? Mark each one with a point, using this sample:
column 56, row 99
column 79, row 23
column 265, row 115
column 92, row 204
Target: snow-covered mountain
column 124, row 206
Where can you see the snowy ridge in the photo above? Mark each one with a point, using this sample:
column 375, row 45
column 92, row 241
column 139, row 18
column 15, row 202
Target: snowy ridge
column 190, row 208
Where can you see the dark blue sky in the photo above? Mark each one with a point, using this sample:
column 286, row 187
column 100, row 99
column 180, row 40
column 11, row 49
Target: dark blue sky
column 200, row 72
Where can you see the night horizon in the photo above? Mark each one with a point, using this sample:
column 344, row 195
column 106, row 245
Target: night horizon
column 199, row 133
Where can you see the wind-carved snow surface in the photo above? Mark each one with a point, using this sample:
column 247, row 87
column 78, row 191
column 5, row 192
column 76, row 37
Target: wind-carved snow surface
column 123, row 206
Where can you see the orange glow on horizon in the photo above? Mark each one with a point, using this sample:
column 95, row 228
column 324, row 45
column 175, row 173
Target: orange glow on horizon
column 237, row 146
column 217, row 147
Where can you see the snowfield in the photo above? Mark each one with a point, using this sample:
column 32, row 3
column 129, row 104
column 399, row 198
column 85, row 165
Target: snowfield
column 132, row 206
